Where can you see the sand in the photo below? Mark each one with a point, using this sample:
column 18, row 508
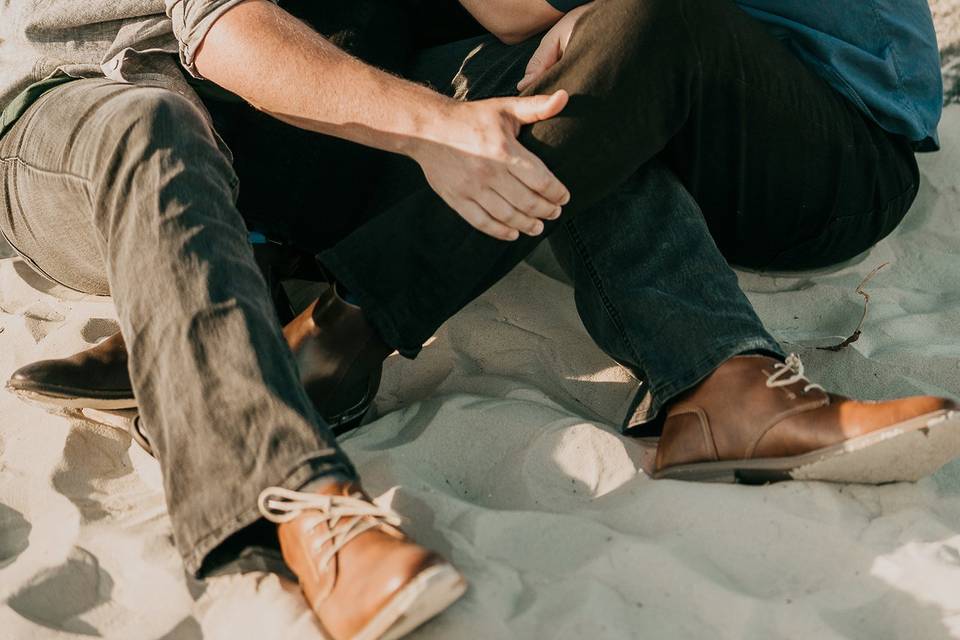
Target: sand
column 502, row 441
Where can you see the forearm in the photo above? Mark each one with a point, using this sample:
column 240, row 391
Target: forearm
column 513, row 21
column 298, row 76
column 468, row 151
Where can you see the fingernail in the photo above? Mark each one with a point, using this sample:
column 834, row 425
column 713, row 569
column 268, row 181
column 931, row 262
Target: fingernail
column 566, row 199
column 537, row 229
column 556, row 213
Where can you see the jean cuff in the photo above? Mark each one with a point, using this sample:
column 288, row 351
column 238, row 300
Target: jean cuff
column 381, row 319
column 657, row 393
column 314, row 467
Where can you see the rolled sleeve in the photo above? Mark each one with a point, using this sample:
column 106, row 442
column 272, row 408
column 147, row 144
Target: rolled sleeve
column 192, row 20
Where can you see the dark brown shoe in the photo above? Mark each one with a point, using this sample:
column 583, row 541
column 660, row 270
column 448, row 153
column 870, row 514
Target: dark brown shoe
column 360, row 574
column 758, row 420
column 96, row 378
column 340, row 357
column 339, row 354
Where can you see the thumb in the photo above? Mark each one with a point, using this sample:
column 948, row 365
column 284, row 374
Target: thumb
column 546, row 55
column 537, row 108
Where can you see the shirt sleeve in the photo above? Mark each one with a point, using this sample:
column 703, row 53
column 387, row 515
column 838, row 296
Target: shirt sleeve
column 192, row 20
column 566, row 5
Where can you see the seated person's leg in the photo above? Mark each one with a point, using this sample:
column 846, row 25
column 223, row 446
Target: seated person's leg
column 653, row 289
column 123, row 190
column 773, row 156
column 301, row 189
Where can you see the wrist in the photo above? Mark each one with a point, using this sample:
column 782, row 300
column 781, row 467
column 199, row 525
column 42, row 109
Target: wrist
column 433, row 123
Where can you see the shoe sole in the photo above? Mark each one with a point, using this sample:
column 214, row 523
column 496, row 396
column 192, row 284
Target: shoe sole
column 425, row 597
column 72, row 399
column 905, row 452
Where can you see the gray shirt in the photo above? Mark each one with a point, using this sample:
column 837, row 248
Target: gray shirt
column 135, row 41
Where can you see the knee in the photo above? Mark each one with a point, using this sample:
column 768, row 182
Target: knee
column 156, row 141
column 631, row 19
column 155, row 117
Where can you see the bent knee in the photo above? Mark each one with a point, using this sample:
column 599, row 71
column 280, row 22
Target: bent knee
column 158, row 115
column 631, row 18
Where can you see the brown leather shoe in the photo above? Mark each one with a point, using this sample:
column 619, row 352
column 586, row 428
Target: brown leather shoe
column 96, row 378
column 340, row 357
column 363, row 578
column 758, row 420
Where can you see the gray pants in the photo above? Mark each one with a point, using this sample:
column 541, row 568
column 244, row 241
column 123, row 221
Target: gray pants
column 119, row 189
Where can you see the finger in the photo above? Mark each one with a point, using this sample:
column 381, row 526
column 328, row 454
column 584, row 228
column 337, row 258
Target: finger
column 503, row 211
column 546, row 55
column 525, row 200
column 531, row 171
column 528, row 110
column 482, row 221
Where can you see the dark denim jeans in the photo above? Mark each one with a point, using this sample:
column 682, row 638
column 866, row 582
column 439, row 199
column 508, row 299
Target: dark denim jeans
column 725, row 147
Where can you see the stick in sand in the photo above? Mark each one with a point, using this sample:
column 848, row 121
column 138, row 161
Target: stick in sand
column 866, row 305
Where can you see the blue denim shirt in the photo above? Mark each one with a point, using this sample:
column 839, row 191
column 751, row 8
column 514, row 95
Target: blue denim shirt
column 880, row 54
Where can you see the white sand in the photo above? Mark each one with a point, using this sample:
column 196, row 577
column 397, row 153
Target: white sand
column 501, row 438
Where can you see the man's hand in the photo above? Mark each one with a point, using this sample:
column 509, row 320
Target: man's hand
column 552, row 47
column 482, row 172
column 468, row 151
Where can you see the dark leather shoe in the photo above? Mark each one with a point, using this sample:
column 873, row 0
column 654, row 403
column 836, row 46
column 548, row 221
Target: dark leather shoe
column 340, row 357
column 96, row 378
column 339, row 354
column 361, row 575
column 758, row 420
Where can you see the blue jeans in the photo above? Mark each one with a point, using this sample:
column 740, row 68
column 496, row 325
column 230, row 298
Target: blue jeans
column 693, row 137
column 654, row 291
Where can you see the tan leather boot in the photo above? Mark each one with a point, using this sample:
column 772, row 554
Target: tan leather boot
column 758, row 420
column 361, row 575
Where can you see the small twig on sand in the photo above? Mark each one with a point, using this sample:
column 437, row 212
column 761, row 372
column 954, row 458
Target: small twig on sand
column 866, row 305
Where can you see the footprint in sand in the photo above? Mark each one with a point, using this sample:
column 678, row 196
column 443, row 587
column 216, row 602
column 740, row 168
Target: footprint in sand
column 41, row 318
column 91, row 457
column 56, row 598
column 16, row 535
column 96, row 329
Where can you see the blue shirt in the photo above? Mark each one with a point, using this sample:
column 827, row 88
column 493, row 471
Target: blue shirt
column 881, row 55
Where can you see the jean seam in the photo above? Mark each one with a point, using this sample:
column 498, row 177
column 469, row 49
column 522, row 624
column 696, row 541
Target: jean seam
column 608, row 306
column 16, row 160
column 302, row 473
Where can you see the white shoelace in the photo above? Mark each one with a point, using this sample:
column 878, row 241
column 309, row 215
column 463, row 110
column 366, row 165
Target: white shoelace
column 346, row 517
column 794, row 365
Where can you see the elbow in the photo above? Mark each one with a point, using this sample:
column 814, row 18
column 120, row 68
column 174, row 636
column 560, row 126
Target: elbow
column 514, row 36
column 511, row 30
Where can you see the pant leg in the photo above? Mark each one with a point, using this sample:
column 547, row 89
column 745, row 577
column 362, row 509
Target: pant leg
column 114, row 188
column 653, row 289
column 771, row 153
